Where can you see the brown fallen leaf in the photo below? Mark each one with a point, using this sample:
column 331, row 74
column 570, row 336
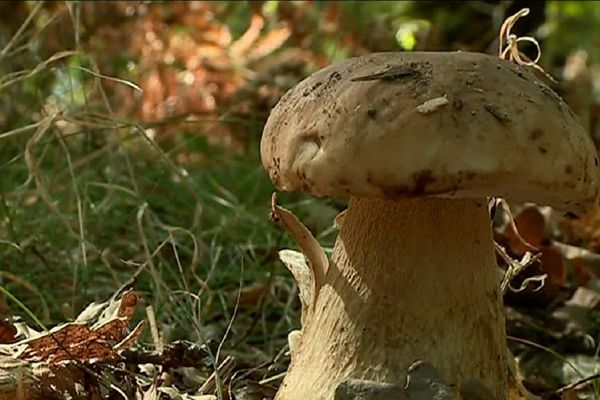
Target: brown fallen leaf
column 530, row 231
column 570, row 394
column 581, row 271
column 585, row 264
column 79, row 340
column 129, row 340
column 8, row 332
column 554, row 265
column 62, row 362
column 250, row 296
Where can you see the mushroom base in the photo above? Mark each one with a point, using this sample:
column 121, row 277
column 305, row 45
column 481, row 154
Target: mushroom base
column 409, row 280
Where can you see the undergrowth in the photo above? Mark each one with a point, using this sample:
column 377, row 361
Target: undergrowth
column 90, row 200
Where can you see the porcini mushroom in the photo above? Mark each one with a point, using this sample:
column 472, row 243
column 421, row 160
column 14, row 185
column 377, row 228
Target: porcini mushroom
column 418, row 142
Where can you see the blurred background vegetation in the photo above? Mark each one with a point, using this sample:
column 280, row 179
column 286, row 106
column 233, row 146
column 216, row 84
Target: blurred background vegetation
column 129, row 136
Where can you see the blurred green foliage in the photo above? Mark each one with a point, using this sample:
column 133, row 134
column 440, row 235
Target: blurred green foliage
column 572, row 25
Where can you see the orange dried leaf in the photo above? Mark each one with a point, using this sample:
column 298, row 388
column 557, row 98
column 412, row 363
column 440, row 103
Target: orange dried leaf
column 79, row 344
column 92, row 338
column 569, row 394
column 269, row 43
column 251, row 296
column 581, row 271
column 530, row 235
column 8, row 332
column 114, row 330
column 130, row 339
column 241, row 46
column 554, row 265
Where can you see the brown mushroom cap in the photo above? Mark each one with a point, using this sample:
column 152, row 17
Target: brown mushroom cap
column 459, row 124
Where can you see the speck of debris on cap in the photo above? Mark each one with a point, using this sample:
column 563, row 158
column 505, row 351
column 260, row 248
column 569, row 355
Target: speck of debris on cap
column 431, row 105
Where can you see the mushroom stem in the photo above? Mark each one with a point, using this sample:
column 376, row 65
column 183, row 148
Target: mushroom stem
column 409, row 280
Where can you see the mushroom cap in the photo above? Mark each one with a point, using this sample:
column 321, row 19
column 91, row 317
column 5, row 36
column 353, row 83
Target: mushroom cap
column 447, row 124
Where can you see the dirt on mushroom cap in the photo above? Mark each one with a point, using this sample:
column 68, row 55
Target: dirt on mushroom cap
column 458, row 124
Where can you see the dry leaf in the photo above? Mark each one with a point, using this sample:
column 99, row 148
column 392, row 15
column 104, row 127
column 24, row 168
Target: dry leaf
column 129, row 340
column 85, row 343
column 56, row 360
column 250, row 296
column 243, row 45
column 531, row 226
column 270, row 42
column 67, row 342
column 554, row 265
column 569, row 394
column 8, row 332
column 585, row 264
column 581, row 271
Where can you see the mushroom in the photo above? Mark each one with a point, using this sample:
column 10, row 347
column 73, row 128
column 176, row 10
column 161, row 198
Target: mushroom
column 418, row 142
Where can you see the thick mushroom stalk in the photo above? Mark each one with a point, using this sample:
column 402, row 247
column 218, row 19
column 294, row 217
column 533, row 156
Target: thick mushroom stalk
column 410, row 280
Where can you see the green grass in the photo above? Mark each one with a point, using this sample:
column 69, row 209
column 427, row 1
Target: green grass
column 193, row 233
column 88, row 201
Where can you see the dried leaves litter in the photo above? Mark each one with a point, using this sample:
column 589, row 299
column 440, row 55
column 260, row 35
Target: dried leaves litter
column 97, row 356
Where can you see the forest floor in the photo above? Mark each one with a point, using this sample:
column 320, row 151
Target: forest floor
column 136, row 251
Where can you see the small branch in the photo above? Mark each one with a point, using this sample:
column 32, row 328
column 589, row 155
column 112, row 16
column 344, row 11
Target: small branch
column 580, row 382
column 177, row 354
column 515, row 267
column 218, row 377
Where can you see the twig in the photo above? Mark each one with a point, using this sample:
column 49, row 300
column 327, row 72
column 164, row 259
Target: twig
column 514, row 267
column 176, row 354
column 547, row 350
column 273, row 378
column 156, row 337
column 221, row 374
column 226, row 367
column 577, row 383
